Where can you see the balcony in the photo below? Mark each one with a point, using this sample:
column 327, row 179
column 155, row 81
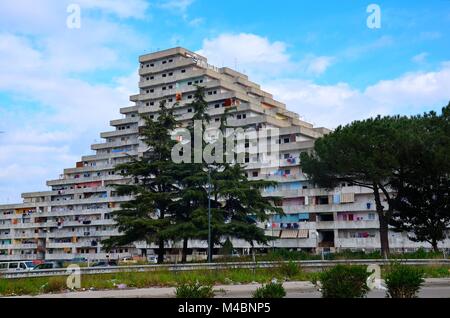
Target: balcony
column 114, row 144
column 19, row 257
column 119, row 133
column 90, row 256
column 331, row 225
column 167, row 67
column 159, row 80
column 23, row 246
column 324, row 208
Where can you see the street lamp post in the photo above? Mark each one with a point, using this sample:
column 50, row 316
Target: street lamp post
column 209, row 217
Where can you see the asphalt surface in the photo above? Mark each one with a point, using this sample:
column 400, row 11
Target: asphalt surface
column 433, row 288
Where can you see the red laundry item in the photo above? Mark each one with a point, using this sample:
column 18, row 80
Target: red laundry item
column 228, row 102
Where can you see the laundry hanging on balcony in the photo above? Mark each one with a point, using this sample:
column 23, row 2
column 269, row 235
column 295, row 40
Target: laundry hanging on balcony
column 336, row 198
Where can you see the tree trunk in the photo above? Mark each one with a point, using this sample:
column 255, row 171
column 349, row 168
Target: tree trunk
column 161, row 252
column 384, row 223
column 434, row 243
column 184, row 251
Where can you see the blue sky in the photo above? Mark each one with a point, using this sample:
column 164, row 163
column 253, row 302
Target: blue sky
column 59, row 87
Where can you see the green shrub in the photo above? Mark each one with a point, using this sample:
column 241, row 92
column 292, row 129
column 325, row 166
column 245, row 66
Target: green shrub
column 194, row 290
column 54, row 285
column 344, row 281
column 271, row 290
column 403, row 281
column 289, row 269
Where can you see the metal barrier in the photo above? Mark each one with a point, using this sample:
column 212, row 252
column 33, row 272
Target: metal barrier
column 307, row 265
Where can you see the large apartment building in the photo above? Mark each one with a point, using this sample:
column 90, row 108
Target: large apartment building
column 72, row 218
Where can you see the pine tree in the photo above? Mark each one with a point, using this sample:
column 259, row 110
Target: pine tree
column 422, row 204
column 147, row 217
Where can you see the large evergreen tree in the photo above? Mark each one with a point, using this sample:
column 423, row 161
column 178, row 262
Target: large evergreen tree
column 147, row 216
column 422, row 205
column 170, row 200
column 364, row 153
column 237, row 204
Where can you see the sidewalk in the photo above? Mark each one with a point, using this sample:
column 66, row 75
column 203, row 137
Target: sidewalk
column 434, row 287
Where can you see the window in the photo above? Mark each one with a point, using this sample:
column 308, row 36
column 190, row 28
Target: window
column 147, row 104
column 164, row 75
column 147, row 91
column 170, row 74
column 189, row 83
column 152, row 90
column 183, row 71
column 164, row 62
column 287, row 156
column 164, row 88
column 217, row 120
column 147, row 78
column 170, row 86
column 170, row 61
column 13, row 265
column 189, row 110
column 255, row 173
column 152, row 65
column 217, row 106
column 244, row 116
column 239, row 116
column 170, row 100
column 286, row 140
column 152, row 103
column 152, row 77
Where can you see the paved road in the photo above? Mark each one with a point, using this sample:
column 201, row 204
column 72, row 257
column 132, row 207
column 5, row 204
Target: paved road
column 433, row 288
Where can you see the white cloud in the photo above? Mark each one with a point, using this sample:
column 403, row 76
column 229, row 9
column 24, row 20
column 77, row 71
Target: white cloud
column 249, row 48
column 55, row 114
column 317, row 65
column 123, row 9
column 357, row 51
column 332, row 105
column 259, row 57
column 420, row 58
column 178, row 6
column 247, row 52
column 196, row 22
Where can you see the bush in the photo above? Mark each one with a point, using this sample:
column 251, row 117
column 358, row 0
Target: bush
column 289, row 269
column 344, row 281
column 403, row 281
column 271, row 290
column 194, row 290
column 54, row 285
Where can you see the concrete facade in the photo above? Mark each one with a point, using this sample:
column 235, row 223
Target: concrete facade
column 72, row 219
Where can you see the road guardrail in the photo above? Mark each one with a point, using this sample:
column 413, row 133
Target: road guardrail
column 313, row 265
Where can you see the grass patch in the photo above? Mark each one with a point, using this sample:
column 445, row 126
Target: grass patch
column 163, row 278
